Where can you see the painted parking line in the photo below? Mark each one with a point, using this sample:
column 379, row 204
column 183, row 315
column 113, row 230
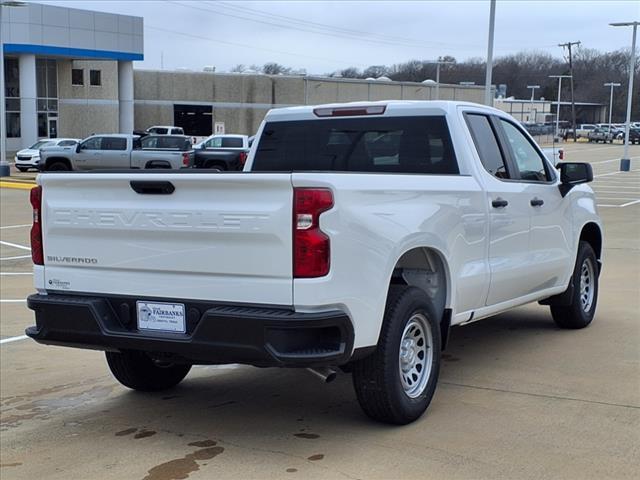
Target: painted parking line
column 19, row 300
column 15, row 273
column 15, row 245
column 17, row 186
column 15, row 258
column 7, row 227
column 13, row 339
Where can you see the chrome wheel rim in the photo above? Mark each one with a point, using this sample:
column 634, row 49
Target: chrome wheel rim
column 416, row 355
column 587, row 284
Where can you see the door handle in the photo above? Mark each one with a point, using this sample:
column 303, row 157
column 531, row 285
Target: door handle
column 537, row 202
column 499, row 203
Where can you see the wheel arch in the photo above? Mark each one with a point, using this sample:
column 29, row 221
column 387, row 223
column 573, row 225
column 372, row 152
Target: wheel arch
column 427, row 268
column 53, row 160
column 591, row 233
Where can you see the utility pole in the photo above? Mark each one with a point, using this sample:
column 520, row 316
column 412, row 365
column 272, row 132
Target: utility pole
column 559, row 77
column 611, row 84
column 533, row 91
column 568, row 45
column 625, row 161
column 487, row 81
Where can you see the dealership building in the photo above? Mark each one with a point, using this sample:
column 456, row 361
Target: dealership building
column 70, row 73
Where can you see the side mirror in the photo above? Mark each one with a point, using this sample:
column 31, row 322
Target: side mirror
column 574, row 173
column 78, row 147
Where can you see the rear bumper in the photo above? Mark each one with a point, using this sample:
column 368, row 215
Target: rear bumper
column 216, row 334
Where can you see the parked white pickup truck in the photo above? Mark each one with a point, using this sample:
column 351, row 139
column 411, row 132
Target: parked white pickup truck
column 356, row 237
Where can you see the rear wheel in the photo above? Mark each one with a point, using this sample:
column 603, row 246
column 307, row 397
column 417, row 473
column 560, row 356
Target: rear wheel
column 397, row 382
column 138, row 371
column 580, row 312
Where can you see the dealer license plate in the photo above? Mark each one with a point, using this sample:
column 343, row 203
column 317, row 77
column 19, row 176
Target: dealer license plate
column 163, row 317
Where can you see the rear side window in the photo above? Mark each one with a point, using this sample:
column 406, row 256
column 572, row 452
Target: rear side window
column 67, row 143
column 174, row 143
column 487, row 145
column 231, row 142
column 114, row 143
column 393, row 145
column 159, row 131
column 177, row 131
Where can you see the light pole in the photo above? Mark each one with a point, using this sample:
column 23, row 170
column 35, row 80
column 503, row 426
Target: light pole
column 437, row 64
column 559, row 77
column 611, row 84
column 487, row 80
column 533, row 91
column 625, row 161
column 5, row 170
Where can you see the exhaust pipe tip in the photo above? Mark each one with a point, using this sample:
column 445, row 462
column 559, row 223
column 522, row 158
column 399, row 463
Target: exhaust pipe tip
column 326, row 375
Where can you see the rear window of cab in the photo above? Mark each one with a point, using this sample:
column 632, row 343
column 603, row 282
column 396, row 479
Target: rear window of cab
column 419, row 145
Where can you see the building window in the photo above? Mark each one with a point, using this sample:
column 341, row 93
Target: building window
column 77, row 77
column 13, row 125
column 95, row 78
column 11, row 78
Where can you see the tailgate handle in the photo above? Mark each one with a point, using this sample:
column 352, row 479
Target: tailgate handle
column 152, row 187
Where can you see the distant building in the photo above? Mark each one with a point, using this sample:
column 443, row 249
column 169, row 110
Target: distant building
column 68, row 72
column 544, row 111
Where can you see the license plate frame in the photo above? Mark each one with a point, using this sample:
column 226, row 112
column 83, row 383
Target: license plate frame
column 162, row 317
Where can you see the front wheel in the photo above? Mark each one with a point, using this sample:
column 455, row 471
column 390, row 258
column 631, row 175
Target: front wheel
column 138, row 371
column 397, row 382
column 580, row 312
column 58, row 167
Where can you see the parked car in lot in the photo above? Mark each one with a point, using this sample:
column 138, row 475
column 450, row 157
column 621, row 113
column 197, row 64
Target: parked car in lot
column 30, row 157
column 120, row 151
column 600, row 135
column 634, row 135
column 165, row 130
column 222, row 152
column 356, row 237
column 582, row 130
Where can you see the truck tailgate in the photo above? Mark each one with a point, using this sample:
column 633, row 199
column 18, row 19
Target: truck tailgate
column 218, row 237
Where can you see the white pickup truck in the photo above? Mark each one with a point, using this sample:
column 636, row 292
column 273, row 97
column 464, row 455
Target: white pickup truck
column 357, row 235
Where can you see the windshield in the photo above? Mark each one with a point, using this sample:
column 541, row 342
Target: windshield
column 42, row 143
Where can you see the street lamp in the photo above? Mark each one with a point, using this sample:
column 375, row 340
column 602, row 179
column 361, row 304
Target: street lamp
column 559, row 77
column 533, row 91
column 5, row 170
column 625, row 161
column 611, row 84
column 489, row 71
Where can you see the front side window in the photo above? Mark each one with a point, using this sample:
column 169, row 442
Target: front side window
column 215, row 142
column 382, row 144
column 93, row 143
column 95, row 78
column 487, row 146
column 529, row 162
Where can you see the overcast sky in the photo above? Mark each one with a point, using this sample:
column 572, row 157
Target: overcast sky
column 324, row 36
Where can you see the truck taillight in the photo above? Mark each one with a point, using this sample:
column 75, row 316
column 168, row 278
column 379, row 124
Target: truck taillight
column 561, row 154
column 243, row 158
column 37, row 253
column 185, row 159
column 311, row 252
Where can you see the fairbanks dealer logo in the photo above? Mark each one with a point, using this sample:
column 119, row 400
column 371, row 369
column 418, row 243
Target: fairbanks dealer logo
column 59, row 284
column 73, row 260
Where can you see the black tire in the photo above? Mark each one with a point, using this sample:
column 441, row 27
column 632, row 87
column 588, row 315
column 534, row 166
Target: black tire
column 578, row 314
column 216, row 167
column 58, row 167
column 377, row 378
column 22, row 169
column 138, row 371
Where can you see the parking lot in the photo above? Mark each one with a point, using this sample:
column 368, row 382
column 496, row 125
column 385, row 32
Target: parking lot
column 517, row 398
